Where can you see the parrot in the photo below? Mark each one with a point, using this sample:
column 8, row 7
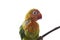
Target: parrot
column 29, row 30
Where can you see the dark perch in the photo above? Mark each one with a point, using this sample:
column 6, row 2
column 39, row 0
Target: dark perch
column 41, row 37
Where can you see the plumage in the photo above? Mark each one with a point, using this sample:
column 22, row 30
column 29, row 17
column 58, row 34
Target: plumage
column 21, row 32
column 29, row 30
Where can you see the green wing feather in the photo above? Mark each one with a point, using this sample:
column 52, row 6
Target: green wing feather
column 21, row 32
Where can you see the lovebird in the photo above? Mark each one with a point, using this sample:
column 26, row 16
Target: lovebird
column 29, row 30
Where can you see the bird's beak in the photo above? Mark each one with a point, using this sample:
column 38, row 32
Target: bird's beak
column 40, row 16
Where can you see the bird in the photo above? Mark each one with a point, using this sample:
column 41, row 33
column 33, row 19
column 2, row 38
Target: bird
column 29, row 30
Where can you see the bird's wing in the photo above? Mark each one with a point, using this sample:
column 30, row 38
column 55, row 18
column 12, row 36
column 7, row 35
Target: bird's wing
column 21, row 32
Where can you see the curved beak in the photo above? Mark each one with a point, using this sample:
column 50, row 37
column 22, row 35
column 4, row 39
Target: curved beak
column 39, row 16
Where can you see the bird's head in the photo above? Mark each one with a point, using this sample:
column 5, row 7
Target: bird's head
column 34, row 15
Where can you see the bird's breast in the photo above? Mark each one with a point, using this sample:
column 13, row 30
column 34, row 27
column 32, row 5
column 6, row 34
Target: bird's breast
column 32, row 27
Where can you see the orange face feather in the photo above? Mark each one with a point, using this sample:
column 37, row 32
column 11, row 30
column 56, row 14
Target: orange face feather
column 34, row 15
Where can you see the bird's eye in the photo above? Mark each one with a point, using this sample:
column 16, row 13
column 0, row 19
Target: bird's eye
column 34, row 12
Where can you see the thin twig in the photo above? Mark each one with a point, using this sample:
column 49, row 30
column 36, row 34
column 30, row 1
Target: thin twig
column 41, row 37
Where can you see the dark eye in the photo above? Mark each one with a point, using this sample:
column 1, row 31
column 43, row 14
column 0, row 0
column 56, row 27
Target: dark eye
column 34, row 12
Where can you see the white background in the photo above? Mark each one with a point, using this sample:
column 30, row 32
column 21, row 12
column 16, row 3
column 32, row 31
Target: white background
column 12, row 14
